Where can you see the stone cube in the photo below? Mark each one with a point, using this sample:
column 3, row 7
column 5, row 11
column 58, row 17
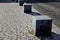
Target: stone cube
column 21, row 2
column 42, row 25
column 27, row 7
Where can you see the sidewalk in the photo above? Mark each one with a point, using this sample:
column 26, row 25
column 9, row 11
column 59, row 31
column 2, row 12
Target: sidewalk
column 15, row 24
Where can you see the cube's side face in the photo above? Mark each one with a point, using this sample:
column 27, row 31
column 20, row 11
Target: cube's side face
column 21, row 2
column 43, row 28
column 15, row 0
column 27, row 8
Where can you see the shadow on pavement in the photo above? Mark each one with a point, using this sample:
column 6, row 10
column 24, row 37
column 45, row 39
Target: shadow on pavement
column 33, row 13
column 54, row 36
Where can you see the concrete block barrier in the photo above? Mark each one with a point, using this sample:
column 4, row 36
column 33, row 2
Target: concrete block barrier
column 21, row 2
column 42, row 25
column 38, row 25
column 27, row 7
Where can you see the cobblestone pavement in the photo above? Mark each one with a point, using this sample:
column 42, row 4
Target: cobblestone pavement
column 14, row 23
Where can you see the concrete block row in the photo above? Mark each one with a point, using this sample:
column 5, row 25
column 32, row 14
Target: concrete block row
column 41, row 24
column 27, row 7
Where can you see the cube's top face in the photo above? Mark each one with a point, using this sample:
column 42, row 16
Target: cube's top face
column 44, row 22
column 42, row 17
column 27, row 4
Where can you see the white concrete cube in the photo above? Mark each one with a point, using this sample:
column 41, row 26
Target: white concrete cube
column 42, row 25
column 27, row 7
